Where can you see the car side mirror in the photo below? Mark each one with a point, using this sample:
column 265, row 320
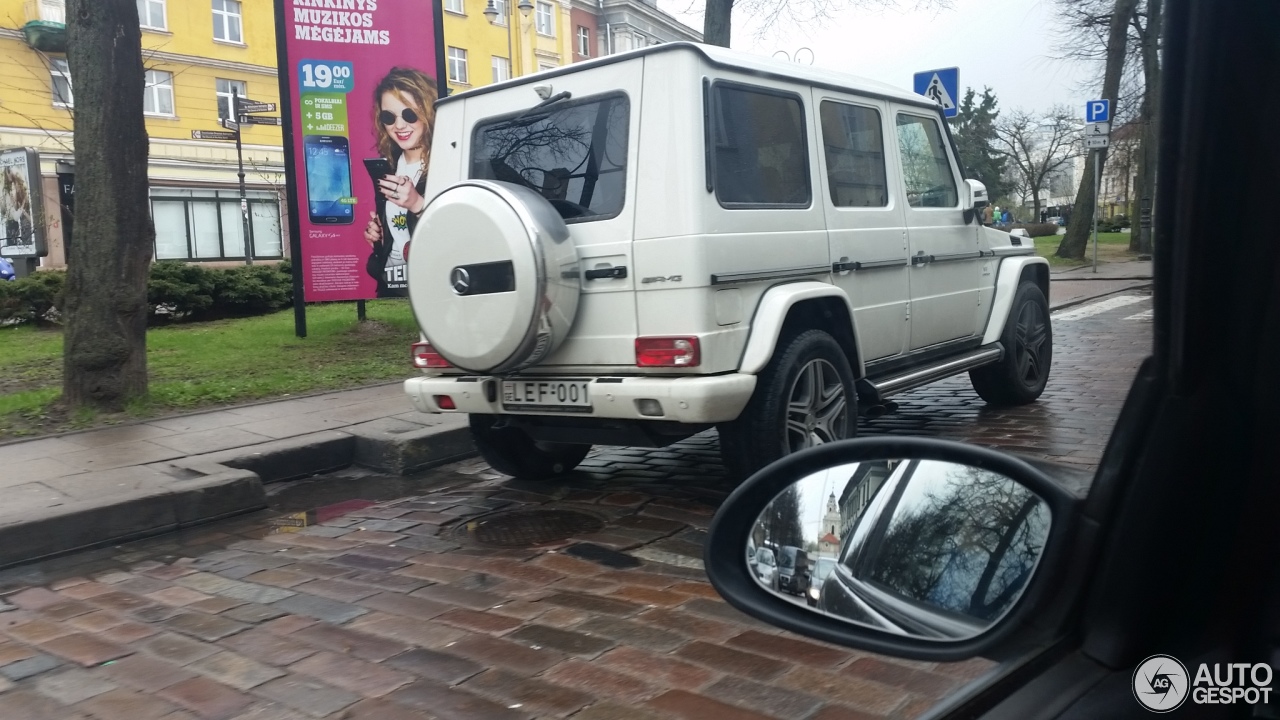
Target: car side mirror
column 977, row 195
column 930, row 550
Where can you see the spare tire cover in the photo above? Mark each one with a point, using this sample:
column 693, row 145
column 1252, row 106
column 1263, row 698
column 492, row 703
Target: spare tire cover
column 493, row 276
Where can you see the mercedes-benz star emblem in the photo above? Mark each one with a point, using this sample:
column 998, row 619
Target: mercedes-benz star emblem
column 460, row 279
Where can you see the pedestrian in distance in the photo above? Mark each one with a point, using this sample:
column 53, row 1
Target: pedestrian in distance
column 986, row 215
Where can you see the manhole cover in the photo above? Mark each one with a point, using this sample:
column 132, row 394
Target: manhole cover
column 525, row 528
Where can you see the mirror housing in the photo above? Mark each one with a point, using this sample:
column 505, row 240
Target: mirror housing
column 977, row 195
column 1036, row 616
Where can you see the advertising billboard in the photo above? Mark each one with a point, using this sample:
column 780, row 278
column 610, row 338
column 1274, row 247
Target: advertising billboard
column 21, row 232
column 359, row 81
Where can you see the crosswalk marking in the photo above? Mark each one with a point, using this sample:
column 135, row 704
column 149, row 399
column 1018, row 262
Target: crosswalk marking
column 1096, row 308
column 1145, row 315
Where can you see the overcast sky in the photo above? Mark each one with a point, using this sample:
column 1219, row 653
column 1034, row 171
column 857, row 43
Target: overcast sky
column 1009, row 45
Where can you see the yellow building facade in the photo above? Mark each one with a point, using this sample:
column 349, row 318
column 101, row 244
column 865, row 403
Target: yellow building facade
column 508, row 42
column 195, row 53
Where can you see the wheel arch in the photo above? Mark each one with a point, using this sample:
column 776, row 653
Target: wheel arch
column 1013, row 272
column 791, row 308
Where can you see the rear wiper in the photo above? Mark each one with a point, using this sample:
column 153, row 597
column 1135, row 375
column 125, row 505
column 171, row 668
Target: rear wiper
column 562, row 95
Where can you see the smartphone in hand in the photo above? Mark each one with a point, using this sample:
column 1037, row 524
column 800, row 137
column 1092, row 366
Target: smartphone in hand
column 378, row 168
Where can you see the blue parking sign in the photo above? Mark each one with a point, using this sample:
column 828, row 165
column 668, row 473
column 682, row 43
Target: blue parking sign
column 1097, row 111
column 941, row 86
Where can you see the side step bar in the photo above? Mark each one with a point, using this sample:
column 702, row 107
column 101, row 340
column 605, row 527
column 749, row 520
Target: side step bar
column 916, row 377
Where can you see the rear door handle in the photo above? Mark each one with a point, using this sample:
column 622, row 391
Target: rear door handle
column 618, row 272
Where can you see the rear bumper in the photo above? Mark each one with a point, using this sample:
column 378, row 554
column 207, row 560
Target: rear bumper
column 693, row 400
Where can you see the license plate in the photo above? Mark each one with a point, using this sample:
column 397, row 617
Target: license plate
column 563, row 394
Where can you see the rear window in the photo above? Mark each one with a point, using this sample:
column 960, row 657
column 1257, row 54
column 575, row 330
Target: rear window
column 573, row 153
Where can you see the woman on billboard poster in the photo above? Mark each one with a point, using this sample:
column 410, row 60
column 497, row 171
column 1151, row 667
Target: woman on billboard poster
column 404, row 117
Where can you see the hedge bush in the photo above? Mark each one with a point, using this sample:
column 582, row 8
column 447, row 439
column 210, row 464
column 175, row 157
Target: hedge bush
column 1036, row 229
column 35, row 298
column 175, row 291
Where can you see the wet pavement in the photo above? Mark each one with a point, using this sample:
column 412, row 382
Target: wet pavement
column 362, row 596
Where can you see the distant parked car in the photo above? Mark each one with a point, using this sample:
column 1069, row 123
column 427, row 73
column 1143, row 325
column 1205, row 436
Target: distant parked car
column 766, row 568
column 6, row 270
column 793, row 570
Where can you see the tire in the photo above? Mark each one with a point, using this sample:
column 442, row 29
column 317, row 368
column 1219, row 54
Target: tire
column 1020, row 376
column 767, row 430
column 512, row 452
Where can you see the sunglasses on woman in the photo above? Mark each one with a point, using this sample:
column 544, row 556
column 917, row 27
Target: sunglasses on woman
column 389, row 118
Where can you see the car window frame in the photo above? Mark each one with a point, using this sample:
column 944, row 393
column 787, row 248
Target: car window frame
column 632, row 109
column 948, row 148
column 889, row 196
column 711, row 117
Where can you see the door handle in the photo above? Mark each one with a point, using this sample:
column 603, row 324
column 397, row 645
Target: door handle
column 921, row 259
column 618, row 272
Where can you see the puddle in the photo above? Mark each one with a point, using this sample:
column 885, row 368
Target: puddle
column 310, row 501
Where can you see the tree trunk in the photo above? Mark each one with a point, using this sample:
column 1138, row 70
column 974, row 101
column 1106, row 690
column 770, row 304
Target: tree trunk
column 104, row 360
column 1141, row 225
column 1077, row 237
column 715, row 22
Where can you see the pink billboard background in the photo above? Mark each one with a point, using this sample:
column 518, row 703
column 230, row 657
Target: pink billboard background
column 335, row 54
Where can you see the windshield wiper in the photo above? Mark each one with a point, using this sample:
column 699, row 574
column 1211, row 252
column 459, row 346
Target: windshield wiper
column 562, row 95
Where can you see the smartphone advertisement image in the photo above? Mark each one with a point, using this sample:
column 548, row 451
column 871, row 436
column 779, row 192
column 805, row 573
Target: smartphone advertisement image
column 359, row 88
column 329, row 180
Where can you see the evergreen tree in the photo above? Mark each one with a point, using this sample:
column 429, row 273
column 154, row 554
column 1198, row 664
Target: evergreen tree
column 974, row 128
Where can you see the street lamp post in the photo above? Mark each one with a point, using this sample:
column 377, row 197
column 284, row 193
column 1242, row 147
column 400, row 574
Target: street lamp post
column 491, row 12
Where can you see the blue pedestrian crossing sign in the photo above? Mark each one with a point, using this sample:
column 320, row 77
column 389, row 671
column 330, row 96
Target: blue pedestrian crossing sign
column 941, row 86
column 1097, row 111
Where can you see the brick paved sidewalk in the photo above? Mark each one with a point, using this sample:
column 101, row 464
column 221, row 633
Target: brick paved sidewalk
column 388, row 612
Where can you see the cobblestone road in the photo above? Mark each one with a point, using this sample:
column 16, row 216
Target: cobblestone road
column 384, row 607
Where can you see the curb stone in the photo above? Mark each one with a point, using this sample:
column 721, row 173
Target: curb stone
column 217, row 485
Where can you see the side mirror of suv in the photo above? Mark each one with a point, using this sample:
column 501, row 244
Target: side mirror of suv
column 941, row 551
column 977, row 195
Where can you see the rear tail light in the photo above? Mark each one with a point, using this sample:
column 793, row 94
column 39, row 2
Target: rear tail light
column 424, row 356
column 444, row 402
column 667, row 352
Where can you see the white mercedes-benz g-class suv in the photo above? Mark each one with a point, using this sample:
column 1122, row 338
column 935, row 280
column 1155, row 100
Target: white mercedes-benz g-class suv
column 634, row 249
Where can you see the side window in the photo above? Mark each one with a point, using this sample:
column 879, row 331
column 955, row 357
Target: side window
column 760, row 151
column 854, row 145
column 926, row 170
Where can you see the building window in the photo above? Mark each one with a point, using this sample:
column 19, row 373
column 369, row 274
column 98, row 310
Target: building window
column 207, row 225
column 641, row 41
column 455, row 6
column 501, row 69
column 151, row 14
column 544, row 66
column 458, row 66
column 546, row 21
column 157, row 98
column 584, row 41
column 226, row 21
column 61, row 76
column 501, row 7
column 224, row 88
column 760, row 153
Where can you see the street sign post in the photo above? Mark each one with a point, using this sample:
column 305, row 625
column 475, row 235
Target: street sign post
column 244, row 201
column 1097, row 136
column 213, row 135
column 229, row 124
column 942, row 86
